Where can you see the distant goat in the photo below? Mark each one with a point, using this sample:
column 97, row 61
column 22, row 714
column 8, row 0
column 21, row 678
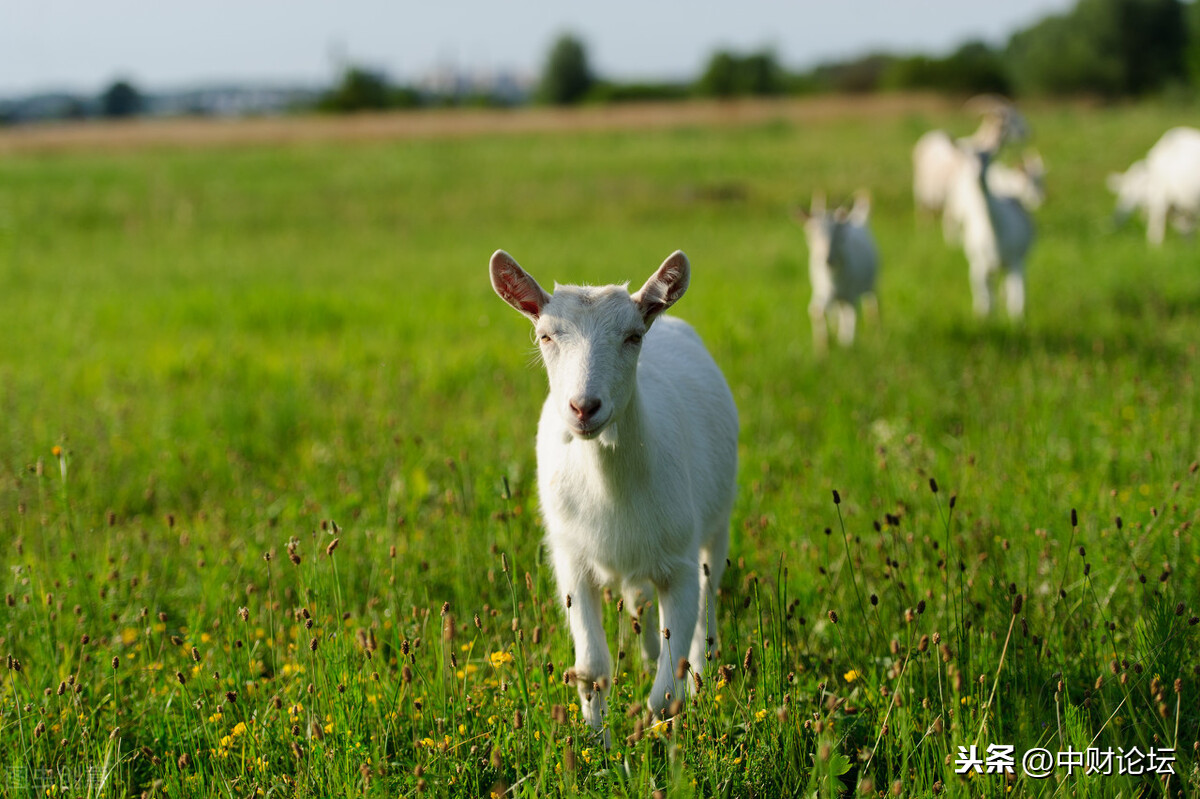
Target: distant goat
column 1025, row 184
column 938, row 159
column 637, row 465
column 997, row 233
column 1166, row 183
column 843, row 262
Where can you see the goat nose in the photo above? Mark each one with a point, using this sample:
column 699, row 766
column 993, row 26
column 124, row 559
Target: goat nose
column 585, row 407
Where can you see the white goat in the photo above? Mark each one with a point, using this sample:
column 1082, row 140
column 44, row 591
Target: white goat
column 997, row 233
column 842, row 264
column 938, row 159
column 1166, row 183
column 1025, row 184
column 637, row 467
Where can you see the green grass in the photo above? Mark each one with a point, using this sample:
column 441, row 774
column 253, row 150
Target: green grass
column 238, row 348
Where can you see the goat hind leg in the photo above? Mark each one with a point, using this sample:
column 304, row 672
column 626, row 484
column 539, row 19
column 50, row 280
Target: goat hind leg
column 712, row 567
column 679, row 603
column 637, row 597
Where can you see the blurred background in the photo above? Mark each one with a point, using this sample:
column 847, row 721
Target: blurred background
column 72, row 60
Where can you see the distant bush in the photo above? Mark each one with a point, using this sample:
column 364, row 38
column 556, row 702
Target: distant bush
column 609, row 92
column 853, row 77
column 364, row 90
column 974, row 68
column 730, row 75
column 121, row 99
column 566, row 78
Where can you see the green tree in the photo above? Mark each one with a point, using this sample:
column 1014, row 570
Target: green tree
column 1108, row 47
column 121, row 99
column 728, row 75
column 720, row 78
column 366, row 90
column 567, row 78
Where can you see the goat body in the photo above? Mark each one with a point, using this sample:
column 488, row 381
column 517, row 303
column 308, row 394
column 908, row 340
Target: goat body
column 997, row 233
column 637, row 466
column 1165, row 183
column 843, row 262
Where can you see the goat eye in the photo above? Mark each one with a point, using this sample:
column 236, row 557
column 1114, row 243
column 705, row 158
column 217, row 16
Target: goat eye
column 546, row 338
column 633, row 338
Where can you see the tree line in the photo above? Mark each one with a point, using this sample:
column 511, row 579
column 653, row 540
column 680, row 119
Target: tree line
column 1104, row 48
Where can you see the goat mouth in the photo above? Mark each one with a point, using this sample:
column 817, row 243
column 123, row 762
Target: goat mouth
column 588, row 431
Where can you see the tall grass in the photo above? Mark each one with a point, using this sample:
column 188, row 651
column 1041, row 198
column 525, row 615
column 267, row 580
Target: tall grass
column 267, row 505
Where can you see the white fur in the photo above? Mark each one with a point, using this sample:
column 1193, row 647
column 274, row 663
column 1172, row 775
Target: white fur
column 938, row 160
column 997, row 233
column 843, row 262
column 1166, row 183
column 637, row 465
column 1025, row 184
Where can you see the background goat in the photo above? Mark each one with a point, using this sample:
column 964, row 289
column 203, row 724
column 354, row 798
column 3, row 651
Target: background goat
column 843, row 262
column 997, row 233
column 1166, row 183
column 637, row 466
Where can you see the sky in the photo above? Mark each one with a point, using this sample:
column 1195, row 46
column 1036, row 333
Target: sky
column 83, row 45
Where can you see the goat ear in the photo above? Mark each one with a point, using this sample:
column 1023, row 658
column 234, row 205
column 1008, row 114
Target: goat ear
column 664, row 288
column 800, row 214
column 860, row 212
column 516, row 287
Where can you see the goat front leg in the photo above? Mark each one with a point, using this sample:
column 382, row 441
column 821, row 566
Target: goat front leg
column 820, row 328
column 593, row 664
column 846, row 321
column 1014, row 293
column 981, row 291
column 678, row 604
column 1157, row 211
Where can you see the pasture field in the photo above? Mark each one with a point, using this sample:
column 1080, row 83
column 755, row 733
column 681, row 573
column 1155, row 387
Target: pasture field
column 268, row 522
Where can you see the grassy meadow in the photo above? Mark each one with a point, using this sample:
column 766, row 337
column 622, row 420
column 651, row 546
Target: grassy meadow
column 268, row 519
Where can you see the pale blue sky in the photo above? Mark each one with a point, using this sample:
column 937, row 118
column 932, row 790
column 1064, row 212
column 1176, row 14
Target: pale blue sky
column 82, row 45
